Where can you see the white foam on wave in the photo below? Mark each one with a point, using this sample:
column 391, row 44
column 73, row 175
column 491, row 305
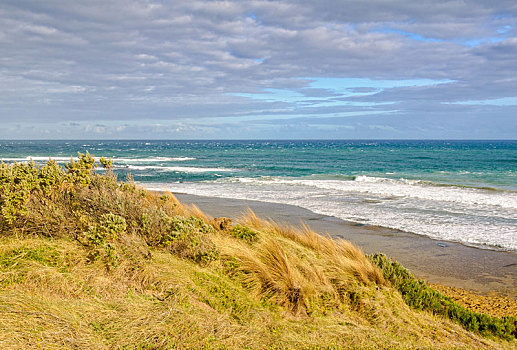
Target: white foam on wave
column 115, row 159
column 153, row 159
column 37, row 159
column 180, row 169
column 405, row 188
column 471, row 216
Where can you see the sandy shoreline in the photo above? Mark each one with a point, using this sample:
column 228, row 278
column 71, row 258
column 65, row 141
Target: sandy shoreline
column 436, row 261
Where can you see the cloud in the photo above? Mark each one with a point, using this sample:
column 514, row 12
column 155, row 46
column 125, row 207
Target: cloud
column 504, row 101
column 120, row 64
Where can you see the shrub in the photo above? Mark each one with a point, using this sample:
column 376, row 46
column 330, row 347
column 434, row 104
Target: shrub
column 110, row 226
column 50, row 177
column 96, row 211
column 79, row 172
column 102, row 238
column 187, row 238
column 106, row 163
column 421, row 297
column 17, row 181
column 244, row 233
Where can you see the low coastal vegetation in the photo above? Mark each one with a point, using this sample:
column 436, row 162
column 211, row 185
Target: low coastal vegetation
column 90, row 262
column 419, row 296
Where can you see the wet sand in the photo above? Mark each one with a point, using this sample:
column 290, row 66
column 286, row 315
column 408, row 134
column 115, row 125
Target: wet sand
column 440, row 262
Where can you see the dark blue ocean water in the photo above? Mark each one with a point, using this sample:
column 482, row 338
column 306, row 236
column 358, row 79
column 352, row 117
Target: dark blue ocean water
column 464, row 191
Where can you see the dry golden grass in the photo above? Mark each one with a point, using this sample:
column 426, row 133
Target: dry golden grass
column 349, row 259
column 491, row 304
column 273, row 274
column 323, row 269
column 174, row 205
column 172, row 303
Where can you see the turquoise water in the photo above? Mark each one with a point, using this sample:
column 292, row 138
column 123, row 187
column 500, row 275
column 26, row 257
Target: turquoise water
column 463, row 191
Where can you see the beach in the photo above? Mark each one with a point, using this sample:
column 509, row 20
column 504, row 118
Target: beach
column 447, row 210
column 439, row 262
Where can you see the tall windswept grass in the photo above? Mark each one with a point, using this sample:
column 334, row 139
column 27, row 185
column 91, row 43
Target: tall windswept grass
column 348, row 259
column 184, row 209
column 273, row 274
column 300, row 269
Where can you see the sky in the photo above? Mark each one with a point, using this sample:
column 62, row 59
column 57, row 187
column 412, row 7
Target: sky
column 370, row 69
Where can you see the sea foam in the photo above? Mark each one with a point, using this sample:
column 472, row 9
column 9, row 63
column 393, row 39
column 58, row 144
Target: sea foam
column 472, row 216
column 175, row 169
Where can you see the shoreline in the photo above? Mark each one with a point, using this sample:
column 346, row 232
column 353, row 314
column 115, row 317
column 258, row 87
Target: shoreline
column 441, row 262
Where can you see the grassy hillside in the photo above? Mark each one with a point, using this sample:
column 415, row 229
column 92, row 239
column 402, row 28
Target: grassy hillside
column 88, row 262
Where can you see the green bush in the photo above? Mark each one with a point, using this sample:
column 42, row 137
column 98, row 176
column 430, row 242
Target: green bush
column 17, row 181
column 244, row 233
column 107, row 230
column 96, row 211
column 106, row 163
column 50, row 177
column 421, row 297
column 79, row 172
column 187, row 238
column 102, row 238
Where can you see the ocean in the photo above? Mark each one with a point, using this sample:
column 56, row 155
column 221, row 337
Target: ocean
column 462, row 191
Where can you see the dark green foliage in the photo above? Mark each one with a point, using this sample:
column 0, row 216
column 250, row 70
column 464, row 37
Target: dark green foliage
column 106, row 163
column 186, row 237
column 102, row 238
column 50, row 176
column 244, row 233
column 17, row 181
column 79, row 172
column 421, row 297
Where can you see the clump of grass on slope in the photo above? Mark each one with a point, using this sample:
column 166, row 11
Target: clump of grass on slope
column 298, row 268
column 419, row 296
